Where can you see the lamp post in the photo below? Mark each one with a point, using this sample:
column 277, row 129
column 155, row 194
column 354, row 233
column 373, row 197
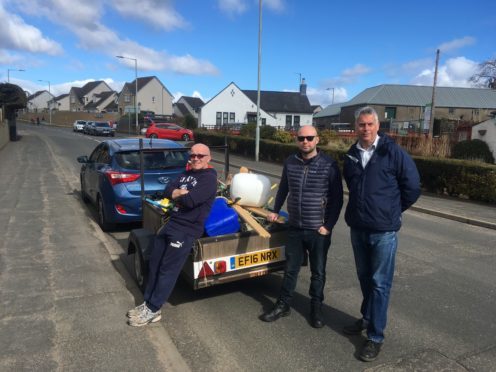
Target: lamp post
column 257, row 132
column 49, row 105
column 136, row 86
column 12, row 69
column 332, row 94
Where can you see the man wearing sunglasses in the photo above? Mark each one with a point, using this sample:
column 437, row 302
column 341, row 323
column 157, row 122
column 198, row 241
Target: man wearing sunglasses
column 383, row 182
column 311, row 181
column 193, row 193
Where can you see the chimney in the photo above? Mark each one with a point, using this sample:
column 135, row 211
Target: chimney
column 303, row 87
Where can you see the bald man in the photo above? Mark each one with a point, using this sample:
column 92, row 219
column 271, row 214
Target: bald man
column 312, row 183
column 193, row 193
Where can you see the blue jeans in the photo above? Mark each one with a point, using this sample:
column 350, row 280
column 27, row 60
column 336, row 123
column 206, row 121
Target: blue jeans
column 375, row 254
column 317, row 246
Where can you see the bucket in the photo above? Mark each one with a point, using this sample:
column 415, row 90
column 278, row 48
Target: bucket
column 222, row 219
column 252, row 189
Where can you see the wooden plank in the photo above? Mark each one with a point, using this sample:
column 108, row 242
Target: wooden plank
column 247, row 217
column 264, row 213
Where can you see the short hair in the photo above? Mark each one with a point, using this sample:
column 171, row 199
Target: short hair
column 367, row 110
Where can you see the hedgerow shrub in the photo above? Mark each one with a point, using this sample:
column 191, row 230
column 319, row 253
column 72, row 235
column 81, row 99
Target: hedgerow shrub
column 475, row 149
column 249, row 130
column 283, row 137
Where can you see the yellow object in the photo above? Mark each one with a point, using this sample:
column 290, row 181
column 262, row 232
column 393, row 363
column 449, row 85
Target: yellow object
column 165, row 202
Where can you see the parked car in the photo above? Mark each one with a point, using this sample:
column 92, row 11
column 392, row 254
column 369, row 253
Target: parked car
column 78, row 125
column 169, row 131
column 102, row 128
column 88, row 127
column 110, row 176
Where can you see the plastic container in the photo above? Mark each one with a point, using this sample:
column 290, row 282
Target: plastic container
column 252, row 189
column 222, row 219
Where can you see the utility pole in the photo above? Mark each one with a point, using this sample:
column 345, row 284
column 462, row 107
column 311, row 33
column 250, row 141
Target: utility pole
column 433, row 102
column 257, row 131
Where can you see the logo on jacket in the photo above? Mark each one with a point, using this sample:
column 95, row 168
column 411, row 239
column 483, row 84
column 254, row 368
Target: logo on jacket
column 177, row 244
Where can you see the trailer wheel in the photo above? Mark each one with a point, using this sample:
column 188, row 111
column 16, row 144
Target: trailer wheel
column 139, row 269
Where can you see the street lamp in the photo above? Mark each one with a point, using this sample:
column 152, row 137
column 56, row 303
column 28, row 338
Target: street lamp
column 12, row 69
column 136, row 86
column 332, row 94
column 49, row 105
column 257, row 131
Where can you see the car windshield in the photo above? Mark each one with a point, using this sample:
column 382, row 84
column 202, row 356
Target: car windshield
column 153, row 160
column 102, row 125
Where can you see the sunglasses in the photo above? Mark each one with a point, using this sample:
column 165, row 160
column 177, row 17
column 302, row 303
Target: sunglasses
column 308, row 138
column 197, row 156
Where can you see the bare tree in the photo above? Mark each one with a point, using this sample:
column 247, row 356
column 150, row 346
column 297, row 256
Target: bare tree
column 486, row 74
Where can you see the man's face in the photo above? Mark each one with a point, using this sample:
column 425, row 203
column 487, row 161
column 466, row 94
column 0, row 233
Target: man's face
column 367, row 128
column 199, row 157
column 307, row 140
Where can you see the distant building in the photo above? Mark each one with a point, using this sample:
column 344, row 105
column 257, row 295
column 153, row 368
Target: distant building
column 188, row 105
column 152, row 96
column 486, row 131
column 39, row 101
column 89, row 93
column 62, row 102
column 280, row 109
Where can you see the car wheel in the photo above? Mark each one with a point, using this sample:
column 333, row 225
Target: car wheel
column 185, row 137
column 102, row 219
column 139, row 269
column 84, row 195
column 153, row 135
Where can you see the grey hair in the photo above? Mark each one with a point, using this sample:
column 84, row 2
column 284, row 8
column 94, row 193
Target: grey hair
column 367, row 110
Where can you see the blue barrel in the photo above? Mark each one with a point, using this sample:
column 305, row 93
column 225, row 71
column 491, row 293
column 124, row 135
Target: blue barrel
column 222, row 219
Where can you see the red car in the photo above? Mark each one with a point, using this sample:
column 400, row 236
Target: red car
column 169, row 131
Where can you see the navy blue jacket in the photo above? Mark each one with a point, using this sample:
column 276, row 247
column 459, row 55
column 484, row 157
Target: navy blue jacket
column 314, row 190
column 388, row 185
column 192, row 209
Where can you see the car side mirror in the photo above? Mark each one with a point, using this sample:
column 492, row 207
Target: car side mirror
column 82, row 159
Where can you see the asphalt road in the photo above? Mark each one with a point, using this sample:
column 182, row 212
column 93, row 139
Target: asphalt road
column 441, row 312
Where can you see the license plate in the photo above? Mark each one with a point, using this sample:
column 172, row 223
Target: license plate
column 256, row 258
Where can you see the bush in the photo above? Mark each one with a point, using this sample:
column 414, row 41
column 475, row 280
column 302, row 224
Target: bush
column 266, row 131
column 283, row 136
column 473, row 150
column 326, row 136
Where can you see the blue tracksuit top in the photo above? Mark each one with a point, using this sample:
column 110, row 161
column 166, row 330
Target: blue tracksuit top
column 378, row 194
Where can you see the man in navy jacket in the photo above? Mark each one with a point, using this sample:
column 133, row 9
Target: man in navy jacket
column 311, row 181
column 193, row 193
column 383, row 181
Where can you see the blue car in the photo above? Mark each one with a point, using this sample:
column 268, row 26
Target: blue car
column 110, row 176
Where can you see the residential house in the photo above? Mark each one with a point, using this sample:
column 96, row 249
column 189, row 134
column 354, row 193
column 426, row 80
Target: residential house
column 62, row 102
column 188, row 105
column 402, row 107
column 486, row 131
column 39, row 101
column 280, row 109
column 316, row 109
column 328, row 116
column 88, row 93
column 103, row 102
column 152, row 96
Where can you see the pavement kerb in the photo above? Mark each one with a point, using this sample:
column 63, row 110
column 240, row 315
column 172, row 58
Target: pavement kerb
column 433, row 212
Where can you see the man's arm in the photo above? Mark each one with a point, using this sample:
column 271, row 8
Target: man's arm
column 282, row 192
column 408, row 180
column 199, row 194
column 335, row 197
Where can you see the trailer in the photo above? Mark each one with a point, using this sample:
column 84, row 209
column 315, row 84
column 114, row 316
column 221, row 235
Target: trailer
column 214, row 260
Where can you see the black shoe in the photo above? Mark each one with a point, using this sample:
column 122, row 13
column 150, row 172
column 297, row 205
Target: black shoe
column 316, row 317
column 280, row 309
column 370, row 351
column 355, row 328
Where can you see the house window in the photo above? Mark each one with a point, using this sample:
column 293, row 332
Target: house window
column 297, row 121
column 390, row 113
column 475, row 112
column 73, row 99
column 127, row 98
column 224, row 117
column 218, row 118
column 232, row 117
column 289, row 121
column 264, row 121
column 451, row 110
column 153, row 99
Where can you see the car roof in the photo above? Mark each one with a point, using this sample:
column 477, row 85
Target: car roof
column 130, row 144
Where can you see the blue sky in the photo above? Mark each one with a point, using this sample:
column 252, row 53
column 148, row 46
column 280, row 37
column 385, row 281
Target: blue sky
column 197, row 47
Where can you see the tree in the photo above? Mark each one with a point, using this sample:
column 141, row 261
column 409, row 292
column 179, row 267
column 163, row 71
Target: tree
column 486, row 74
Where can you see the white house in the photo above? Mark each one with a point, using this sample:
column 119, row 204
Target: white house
column 62, row 102
column 486, row 131
column 152, row 96
column 188, row 106
column 103, row 102
column 87, row 94
column 39, row 101
column 279, row 109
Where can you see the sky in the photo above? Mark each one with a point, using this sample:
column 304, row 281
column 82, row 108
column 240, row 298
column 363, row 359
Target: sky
column 197, row 47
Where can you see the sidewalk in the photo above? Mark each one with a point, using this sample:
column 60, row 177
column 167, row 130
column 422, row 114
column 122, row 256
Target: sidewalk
column 465, row 211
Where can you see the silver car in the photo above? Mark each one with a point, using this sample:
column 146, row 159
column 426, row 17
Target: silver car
column 78, row 125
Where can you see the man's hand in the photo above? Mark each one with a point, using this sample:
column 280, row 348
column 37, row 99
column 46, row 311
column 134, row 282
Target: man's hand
column 272, row 217
column 178, row 192
column 323, row 231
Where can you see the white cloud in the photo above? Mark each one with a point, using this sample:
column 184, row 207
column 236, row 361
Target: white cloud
column 17, row 35
column 277, row 5
column 348, row 75
column 454, row 73
column 7, row 58
column 323, row 97
column 159, row 13
column 456, row 44
column 232, row 7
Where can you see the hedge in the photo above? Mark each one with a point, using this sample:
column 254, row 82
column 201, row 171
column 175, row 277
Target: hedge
column 473, row 180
